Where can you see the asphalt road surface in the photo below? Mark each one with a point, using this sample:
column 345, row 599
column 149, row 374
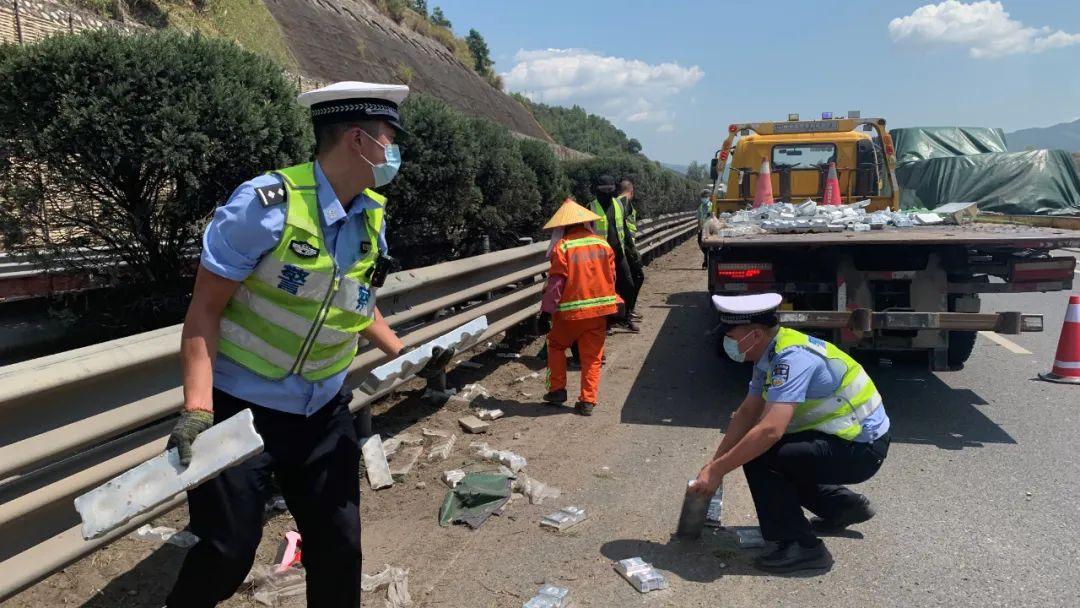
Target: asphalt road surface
column 978, row 502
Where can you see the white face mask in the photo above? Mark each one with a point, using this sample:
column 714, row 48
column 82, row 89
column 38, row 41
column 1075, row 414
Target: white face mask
column 731, row 347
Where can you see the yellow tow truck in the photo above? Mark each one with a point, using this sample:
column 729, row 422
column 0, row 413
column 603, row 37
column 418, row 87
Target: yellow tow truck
column 893, row 289
column 799, row 153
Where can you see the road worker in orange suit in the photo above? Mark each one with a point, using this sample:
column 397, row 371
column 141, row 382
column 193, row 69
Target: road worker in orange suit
column 579, row 296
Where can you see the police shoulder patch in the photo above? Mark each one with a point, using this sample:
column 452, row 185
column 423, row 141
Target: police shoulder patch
column 274, row 194
column 780, row 373
column 303, row 249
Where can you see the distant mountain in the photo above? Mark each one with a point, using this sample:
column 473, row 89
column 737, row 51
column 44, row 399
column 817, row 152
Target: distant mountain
column 680, row 169
column 1064, row 136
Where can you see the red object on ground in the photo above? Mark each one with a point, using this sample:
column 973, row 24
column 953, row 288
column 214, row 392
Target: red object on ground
column 1067, row 360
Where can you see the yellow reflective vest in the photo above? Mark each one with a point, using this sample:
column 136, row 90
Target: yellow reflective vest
column 841, row 413
column 298, row 313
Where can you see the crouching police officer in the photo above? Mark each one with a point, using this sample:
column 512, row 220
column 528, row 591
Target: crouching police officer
column 285, row 289
column 812, row 420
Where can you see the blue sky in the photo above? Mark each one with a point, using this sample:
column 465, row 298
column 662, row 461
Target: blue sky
column 675, row 74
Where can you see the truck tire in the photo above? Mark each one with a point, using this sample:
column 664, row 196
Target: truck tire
column 961, row 343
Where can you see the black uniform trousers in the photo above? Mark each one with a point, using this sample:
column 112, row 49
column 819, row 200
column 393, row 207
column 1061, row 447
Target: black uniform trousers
column 637, row 269
column 803, row 470
column 316, row 461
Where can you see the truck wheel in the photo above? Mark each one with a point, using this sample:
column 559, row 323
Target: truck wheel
column 961, row 343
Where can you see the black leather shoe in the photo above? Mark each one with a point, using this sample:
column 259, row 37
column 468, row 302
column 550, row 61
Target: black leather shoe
column 556, row 397
column 790, row 556
column 849, row 517
column 585, row 408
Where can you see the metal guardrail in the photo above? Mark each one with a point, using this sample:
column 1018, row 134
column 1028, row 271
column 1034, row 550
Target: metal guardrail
column 70, row 421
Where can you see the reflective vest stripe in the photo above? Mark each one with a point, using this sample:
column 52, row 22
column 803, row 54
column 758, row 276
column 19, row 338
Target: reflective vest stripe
column 292, row 279
column 590, row 303
column 295, row 323
column 589, row 240
column 252, row 343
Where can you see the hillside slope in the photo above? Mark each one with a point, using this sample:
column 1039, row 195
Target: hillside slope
column 350, row 40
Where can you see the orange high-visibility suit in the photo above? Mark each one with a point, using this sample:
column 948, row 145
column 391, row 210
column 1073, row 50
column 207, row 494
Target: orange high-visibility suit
column 580, row 295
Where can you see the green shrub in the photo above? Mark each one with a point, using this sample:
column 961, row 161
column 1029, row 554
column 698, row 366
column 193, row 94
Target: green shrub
column 435, row 192
column 551, row 181
column 127, row 143
column 510, row 201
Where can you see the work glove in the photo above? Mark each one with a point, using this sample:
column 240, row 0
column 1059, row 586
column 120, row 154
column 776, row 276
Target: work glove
column 440, row 358
column 543, row 323
column 188, row 427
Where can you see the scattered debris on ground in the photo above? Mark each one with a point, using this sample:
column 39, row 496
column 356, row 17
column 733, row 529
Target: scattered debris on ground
column 165, row 534
column 396, row 583
column 378, row 471
column 566, row 517
column 641, row 574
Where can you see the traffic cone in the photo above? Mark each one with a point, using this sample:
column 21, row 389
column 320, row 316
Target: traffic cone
column 763, row 193
column 832, row 188
column 1067, row 360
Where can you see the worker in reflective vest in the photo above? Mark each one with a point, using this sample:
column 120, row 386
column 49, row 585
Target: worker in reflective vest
column 703, row 213
column 579, row 295
column 812, row 420
column 633, row 257
column 285, row 289
column 611, row 225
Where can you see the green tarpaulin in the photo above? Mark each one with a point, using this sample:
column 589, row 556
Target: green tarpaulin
column 925, row 143
column 1039, row 182
column 474, row 499
column 938, row 165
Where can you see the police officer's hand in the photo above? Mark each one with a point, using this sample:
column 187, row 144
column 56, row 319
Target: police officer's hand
column 440, row 358
column 543, row 323
column 707, row 482
column 190, row 424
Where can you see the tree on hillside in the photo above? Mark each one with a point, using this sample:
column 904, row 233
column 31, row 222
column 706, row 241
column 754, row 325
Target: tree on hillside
column 633, row 146
column 125, row 144
column 481, row 55
column 439, row 19
column 420, row 6
column 697, row 173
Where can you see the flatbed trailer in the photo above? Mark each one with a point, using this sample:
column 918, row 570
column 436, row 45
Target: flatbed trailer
column 896, row 289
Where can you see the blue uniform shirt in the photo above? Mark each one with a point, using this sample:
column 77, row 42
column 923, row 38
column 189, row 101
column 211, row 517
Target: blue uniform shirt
column 808, row 376
column 241, row 233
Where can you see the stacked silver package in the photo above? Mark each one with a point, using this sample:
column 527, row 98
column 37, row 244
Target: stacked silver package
column 641, row 574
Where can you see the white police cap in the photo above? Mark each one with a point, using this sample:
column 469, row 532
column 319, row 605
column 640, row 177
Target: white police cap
column 351, row 101
column 742, row 310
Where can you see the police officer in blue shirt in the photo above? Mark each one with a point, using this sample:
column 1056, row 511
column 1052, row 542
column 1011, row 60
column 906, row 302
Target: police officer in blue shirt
column 285, row 289
column 812, row 420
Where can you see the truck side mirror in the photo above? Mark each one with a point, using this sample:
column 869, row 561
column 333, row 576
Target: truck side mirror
column 712, row 170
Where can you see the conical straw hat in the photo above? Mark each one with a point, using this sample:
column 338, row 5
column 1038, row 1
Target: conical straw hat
column 570, row 213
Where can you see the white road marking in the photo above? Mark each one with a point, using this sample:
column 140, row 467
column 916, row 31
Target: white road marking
column 1005, row 342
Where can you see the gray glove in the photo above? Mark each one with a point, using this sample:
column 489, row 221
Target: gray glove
column 188, row 427
column 440, row 358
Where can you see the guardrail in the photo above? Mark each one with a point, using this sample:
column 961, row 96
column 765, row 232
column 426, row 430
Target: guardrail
column 70, row 421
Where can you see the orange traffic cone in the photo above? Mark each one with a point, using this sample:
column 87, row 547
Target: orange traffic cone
column 832, row 188
column 763, row 194
column 1067, row 360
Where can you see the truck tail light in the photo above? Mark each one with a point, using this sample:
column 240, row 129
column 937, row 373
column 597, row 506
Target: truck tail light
column 748, row 272
column 1046, row 269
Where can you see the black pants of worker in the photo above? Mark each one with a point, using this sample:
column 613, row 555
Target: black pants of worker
column 637, row 274
column 316, row 461
column 804, row 470
column 624, row 285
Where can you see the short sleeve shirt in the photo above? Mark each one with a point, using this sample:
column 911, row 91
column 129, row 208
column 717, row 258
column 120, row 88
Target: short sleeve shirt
column 798, row 375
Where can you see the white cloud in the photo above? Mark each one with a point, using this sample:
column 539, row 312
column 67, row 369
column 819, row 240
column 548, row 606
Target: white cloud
column 624, row 90
column 985, row 28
